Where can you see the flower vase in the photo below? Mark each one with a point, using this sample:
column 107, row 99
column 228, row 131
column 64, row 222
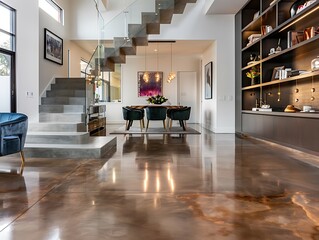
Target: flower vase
column 252, row 82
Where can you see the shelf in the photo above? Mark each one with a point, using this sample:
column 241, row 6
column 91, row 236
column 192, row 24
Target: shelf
column 251, row 65
column 284, row 114
column 294, row 78
column 287, row 50
column 250, row 45
column 252, row 87
column 252, row 26
column 301, row 15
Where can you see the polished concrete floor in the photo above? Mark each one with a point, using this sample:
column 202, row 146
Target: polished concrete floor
column 155, row 187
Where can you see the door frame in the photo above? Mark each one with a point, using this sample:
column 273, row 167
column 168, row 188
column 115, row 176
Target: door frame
column 13, row 92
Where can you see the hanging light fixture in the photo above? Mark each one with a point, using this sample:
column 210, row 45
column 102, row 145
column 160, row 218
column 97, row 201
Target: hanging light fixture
column 171, row 75
column 157, row 74
column 146, row 76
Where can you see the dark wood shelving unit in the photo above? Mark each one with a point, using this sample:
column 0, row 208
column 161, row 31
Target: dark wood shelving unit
column 277, row 92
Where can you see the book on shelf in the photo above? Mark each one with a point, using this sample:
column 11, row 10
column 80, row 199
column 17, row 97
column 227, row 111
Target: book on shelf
column 294, row 37
column 262, row 109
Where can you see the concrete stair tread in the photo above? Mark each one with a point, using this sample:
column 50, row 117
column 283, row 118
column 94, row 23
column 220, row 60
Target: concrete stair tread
column 31, row 133
column 53, row 123
column 94, row 143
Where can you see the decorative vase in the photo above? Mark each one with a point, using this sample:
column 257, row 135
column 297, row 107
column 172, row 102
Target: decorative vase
column 315, row 64
column 252, row 81
column 294, row 7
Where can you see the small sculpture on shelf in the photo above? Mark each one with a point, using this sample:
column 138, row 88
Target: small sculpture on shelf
column 253, row 73
column 315, row 64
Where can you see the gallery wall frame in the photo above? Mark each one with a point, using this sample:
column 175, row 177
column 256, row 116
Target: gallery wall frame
column 152, row 87
column 53, row 47
column 209, row 80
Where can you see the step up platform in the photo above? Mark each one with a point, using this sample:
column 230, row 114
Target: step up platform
column 58, row 137
column 56, row 127
column 96, row 148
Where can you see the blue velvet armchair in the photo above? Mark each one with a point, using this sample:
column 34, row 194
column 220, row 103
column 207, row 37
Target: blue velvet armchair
column 13, row 131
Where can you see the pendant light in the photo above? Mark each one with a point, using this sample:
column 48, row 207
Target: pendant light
column 146, row 76
column 157, row 74
column 171, row 75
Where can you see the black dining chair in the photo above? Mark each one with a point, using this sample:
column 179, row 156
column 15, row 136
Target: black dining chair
column 156, row 114
column 131, row 114
column 180, row 114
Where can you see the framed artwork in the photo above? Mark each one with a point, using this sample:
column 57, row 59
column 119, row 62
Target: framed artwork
column 53, row 47
column 152, row 86
column 209, row 80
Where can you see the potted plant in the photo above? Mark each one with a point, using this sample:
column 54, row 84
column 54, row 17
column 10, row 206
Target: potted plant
column 253, row 73
column 158, row 99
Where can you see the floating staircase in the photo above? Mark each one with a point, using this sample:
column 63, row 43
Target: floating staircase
column 61, row 131
column 137, row 35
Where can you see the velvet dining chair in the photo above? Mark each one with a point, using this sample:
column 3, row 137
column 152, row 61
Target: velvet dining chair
column 156, row 113
column 131, row 114
column 179, row 114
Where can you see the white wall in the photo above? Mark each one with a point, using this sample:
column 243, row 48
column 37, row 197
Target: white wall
column 48, row 69
column 77, row 53
column 209, row 106
column 27, row 56
column 87, row 25
column 129, row 80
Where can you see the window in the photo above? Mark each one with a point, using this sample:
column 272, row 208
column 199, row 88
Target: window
column 53, row 9
column 7, row 58
column 7, row 27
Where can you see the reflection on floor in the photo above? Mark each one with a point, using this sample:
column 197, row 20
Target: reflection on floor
column 208, row 186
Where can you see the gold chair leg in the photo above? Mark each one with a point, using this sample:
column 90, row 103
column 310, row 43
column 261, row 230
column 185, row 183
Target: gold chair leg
column 171, row 123
column 164, row 124
column 141, row 125
column 22, row 162
column 126, row 124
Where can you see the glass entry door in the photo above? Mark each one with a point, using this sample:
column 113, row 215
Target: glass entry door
column 7, row 84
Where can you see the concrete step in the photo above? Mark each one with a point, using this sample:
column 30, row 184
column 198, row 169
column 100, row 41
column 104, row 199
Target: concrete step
column 62, row 109
column 67, row 85
column 116, row 55
column 63, row 101
column 62, row 117
column 127, row 45
column 58, row 137
column 65, row 93
column 57, row 127
column 97, row 147
column 70, row 80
